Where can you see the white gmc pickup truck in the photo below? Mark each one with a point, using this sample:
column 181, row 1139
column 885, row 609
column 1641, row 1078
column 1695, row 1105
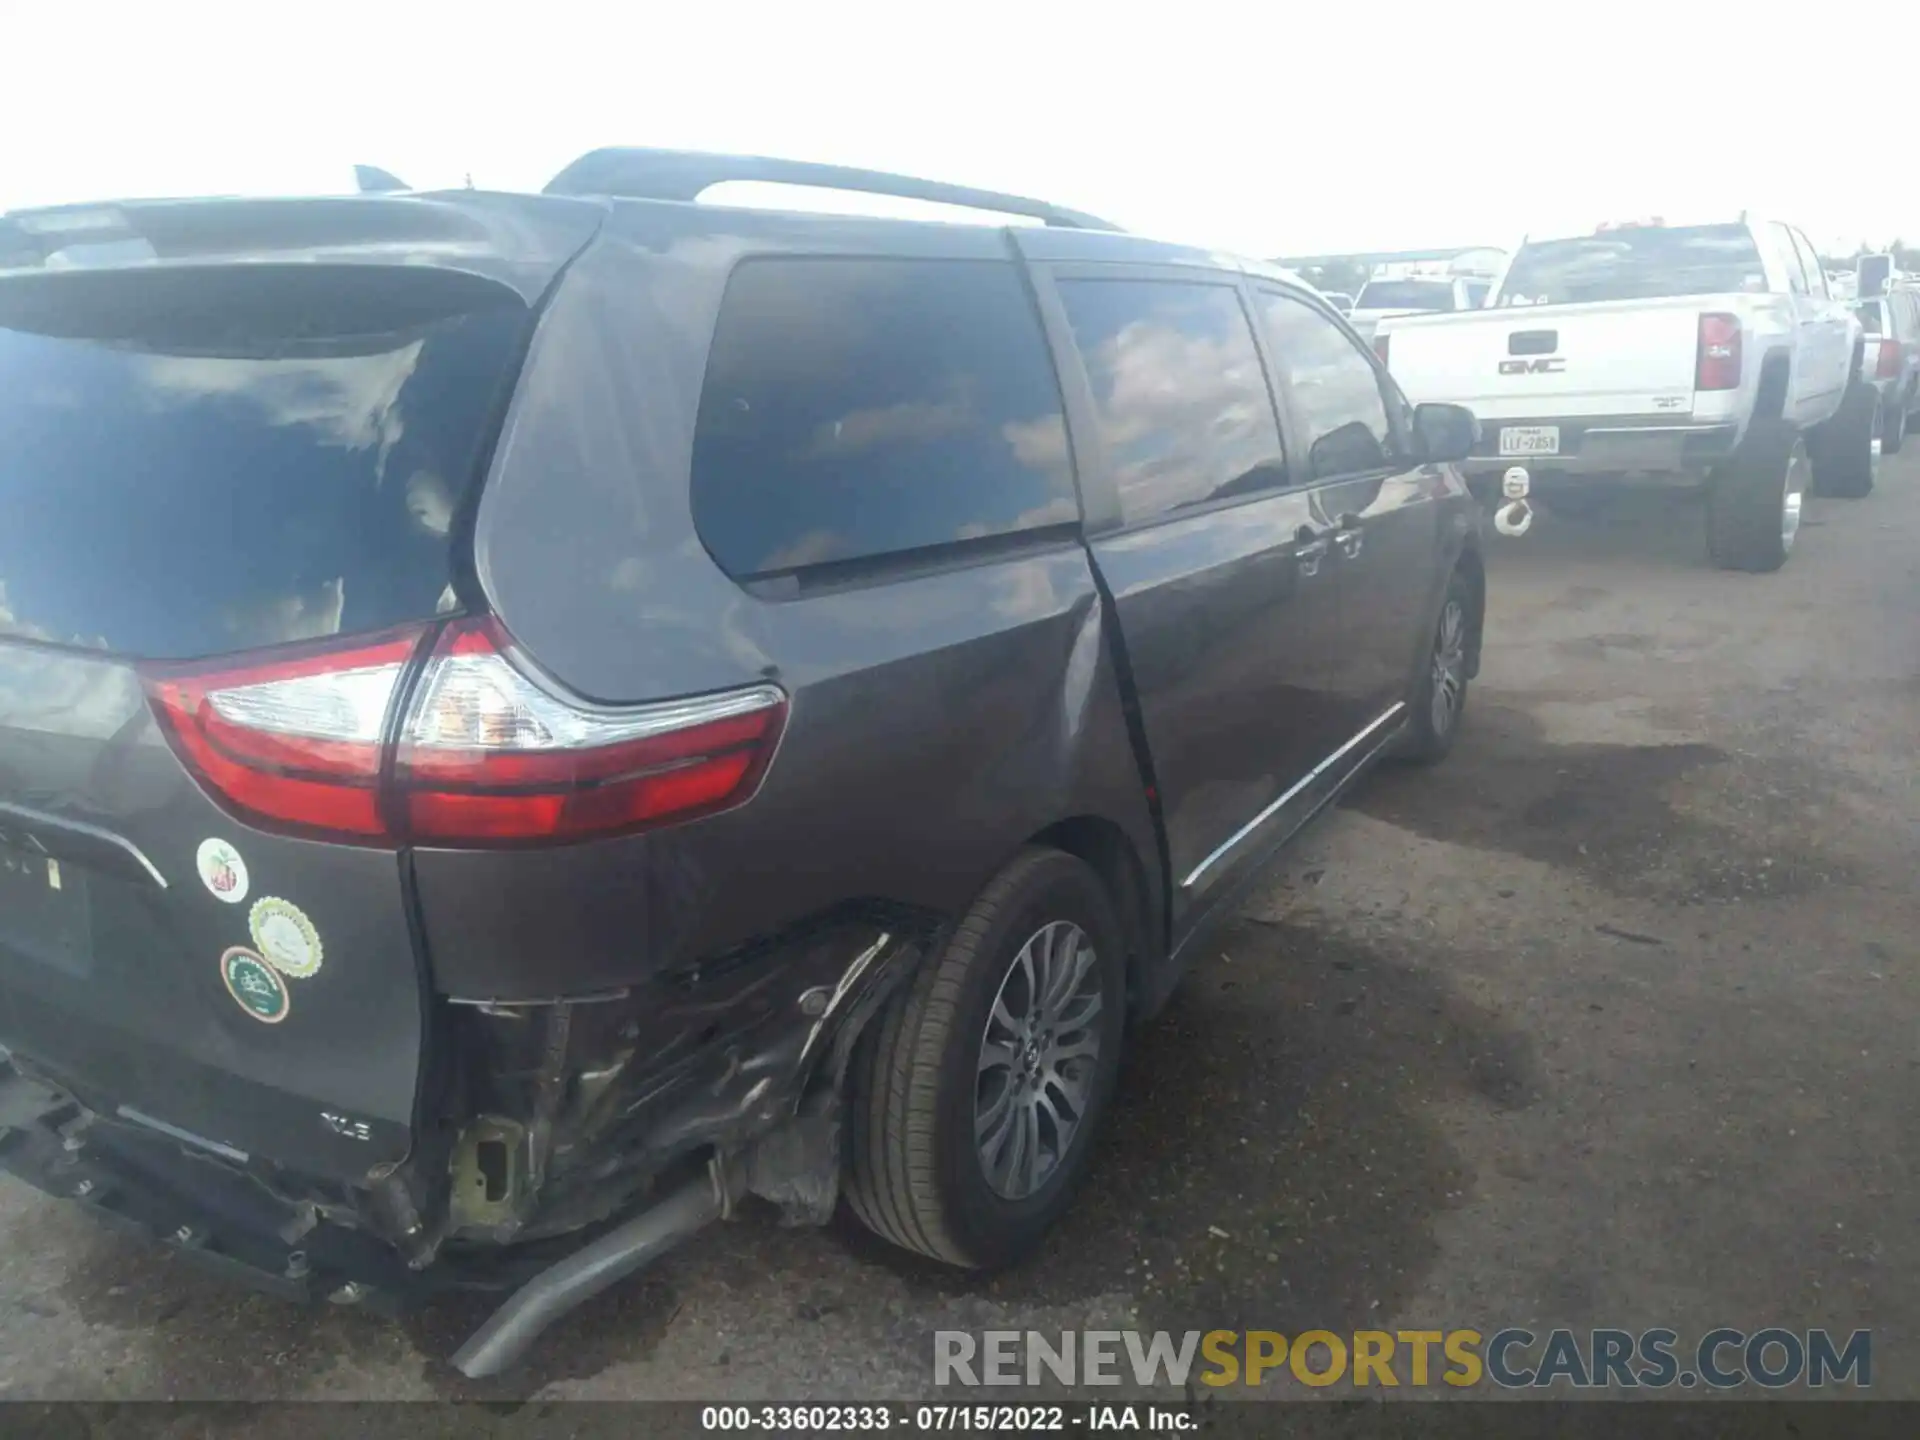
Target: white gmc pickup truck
column 1710, row 356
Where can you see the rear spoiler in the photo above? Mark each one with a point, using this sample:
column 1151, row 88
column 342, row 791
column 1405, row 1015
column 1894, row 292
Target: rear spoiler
column 372, row 180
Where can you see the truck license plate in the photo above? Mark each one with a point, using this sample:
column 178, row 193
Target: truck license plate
column 1530, row 440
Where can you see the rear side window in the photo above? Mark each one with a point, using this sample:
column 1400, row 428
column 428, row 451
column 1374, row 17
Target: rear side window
column 1183, row 404
column 196, row 463
column 862, row 408
column 1809, row 262
column 1636, row 264
column 1333, row 386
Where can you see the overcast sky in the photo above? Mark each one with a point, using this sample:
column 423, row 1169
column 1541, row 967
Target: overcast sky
column 1355, row 127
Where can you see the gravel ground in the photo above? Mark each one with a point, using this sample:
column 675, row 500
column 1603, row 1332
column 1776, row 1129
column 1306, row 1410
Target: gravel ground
column 1610, row 1021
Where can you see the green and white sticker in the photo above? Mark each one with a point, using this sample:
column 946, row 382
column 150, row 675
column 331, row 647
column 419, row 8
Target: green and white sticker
column 286, row 937
column 256, row 986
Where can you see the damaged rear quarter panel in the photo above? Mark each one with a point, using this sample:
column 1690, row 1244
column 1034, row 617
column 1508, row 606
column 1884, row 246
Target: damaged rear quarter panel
column 939, row 717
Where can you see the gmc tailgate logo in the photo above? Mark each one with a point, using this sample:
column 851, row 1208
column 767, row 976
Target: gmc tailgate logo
column 1545, row 365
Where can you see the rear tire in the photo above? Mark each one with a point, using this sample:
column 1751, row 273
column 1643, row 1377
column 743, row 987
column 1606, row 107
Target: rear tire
column 928, row 1075
column 1843, row 449
column 1754, row 499
column 1439, row 698
column 1893, row 430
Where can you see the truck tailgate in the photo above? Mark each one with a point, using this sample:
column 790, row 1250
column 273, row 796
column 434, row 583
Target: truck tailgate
column 1623, row 357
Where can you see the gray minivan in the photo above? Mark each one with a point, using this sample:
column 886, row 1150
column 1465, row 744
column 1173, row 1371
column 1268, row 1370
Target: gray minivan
column 525, row 720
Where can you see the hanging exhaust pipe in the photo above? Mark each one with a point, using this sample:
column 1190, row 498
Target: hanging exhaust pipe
column 509, row 1333
column 1515, row 517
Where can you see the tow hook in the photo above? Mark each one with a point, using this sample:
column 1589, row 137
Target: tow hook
column 1516, row 516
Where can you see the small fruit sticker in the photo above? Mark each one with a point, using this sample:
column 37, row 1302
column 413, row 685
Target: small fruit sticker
column 222, row 870
column 286, row 937
column 255, row 986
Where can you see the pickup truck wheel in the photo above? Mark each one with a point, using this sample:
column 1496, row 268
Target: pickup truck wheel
column 1846, row 449
column 1893, row 430
column 976, row 1095
column 1754, row 500
column 1439, row 696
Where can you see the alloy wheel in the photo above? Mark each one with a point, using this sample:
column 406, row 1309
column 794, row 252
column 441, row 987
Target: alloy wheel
column 1793, row 495
column 1038, row 1056
column 1449, row 667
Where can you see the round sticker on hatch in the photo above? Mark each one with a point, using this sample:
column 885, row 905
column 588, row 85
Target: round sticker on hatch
column 286, row 937
column 256, row 986
column 222, row 870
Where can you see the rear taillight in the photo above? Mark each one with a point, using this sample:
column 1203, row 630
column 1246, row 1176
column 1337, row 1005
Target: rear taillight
column 1717, row 360
column 1888, row 367
column 487, row 752
column 293, row 740
column 1380, row 347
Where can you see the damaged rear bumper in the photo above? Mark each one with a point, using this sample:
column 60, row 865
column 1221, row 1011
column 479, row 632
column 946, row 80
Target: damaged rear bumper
column 148, row 1185
column 745, row 1101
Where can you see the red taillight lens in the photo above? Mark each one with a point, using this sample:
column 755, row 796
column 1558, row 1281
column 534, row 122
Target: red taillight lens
column 487, row 752
column 293, row 740
column 1889, row 365
column 1717, row 362
column 1380, row 347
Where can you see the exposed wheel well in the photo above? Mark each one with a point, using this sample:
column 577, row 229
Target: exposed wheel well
column 1104, row 846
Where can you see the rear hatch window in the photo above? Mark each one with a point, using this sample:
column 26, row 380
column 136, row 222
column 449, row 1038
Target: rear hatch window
column 203, row 461
column 1636, row 264
column 1405, row 295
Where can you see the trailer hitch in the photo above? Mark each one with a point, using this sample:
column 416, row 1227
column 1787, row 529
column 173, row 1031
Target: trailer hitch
column 1515, row 517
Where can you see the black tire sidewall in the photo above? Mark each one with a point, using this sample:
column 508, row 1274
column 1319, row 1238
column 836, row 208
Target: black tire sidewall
column 1843, row 458
column 1744, row 505
column 991, row 1230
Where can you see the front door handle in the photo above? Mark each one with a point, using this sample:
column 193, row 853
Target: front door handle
column 1350, row 535
column 1310, row 547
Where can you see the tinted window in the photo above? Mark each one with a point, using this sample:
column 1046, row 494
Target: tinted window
column 1183, row 403
column 1642, row 264
column 1334, row 387
column 1405, row 295
column 1477, row 292
column 857, row 408
column 1789, row 257
column 200, row 462
column 1810, row 263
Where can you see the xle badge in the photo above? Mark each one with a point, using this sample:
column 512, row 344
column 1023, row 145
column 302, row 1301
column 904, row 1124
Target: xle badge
column 285, row 937
column 255, row 986
column 222, row 871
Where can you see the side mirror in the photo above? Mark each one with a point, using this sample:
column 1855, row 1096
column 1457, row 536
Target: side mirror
column 1447, row 433
column 1873, row 273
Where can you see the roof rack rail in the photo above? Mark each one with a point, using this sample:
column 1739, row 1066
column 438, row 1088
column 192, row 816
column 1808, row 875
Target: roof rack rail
column 643, row 174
